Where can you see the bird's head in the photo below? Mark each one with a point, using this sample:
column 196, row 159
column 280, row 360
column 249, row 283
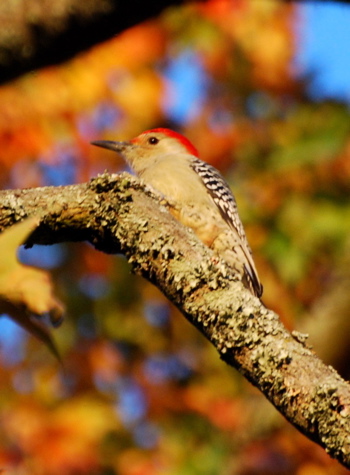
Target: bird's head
column 149, row 147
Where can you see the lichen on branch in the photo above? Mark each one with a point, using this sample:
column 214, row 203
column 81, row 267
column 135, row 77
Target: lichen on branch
column 119, row 213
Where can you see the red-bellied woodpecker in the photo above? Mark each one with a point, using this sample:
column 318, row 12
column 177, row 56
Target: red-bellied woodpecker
column 202, row 199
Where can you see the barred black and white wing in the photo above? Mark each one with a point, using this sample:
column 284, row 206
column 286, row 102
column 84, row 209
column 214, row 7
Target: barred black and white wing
column 222, row 196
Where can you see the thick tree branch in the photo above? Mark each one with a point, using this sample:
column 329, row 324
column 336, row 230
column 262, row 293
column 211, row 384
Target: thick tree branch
column 119, row 214
column 36, row 33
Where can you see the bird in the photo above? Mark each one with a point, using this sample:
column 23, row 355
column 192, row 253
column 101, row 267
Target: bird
column 200, row 197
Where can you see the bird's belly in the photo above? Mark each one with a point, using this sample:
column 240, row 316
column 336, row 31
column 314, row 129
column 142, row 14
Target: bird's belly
column 190, row 204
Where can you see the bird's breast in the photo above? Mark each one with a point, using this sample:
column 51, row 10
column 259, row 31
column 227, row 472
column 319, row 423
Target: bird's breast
column 176, row 181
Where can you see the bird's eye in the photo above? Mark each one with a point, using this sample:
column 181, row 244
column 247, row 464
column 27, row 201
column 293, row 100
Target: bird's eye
column 153, row 140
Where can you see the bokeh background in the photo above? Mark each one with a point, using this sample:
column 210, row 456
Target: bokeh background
column 262, row 88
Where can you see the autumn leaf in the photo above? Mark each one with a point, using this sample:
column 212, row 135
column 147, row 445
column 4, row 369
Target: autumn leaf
column 26, row 293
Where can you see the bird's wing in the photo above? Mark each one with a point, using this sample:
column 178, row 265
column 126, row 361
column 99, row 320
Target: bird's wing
column 226, row 203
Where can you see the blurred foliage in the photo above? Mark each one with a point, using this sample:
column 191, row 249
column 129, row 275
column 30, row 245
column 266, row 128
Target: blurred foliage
column 26, row 293
column 141, row 391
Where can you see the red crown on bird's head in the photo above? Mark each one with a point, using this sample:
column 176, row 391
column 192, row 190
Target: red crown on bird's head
column 171, row 133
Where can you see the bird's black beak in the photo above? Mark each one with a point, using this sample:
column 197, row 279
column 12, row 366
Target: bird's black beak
column 111, row 145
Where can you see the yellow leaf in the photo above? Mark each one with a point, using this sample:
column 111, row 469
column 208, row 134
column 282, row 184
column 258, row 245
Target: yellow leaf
column 26, row 293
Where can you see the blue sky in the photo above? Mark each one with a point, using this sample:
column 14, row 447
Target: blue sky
column 324, row 38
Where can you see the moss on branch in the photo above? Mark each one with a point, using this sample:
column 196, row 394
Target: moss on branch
column 118, row 213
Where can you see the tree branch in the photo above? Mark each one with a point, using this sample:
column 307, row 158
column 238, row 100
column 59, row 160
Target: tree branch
column 36, row 33
column 120, row 214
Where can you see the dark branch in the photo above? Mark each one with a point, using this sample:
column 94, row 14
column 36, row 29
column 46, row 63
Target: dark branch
column 119, row 214
column 36, row 33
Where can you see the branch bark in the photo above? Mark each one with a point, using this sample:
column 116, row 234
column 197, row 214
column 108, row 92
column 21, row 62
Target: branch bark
column 119, row 213
column 36, row 33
